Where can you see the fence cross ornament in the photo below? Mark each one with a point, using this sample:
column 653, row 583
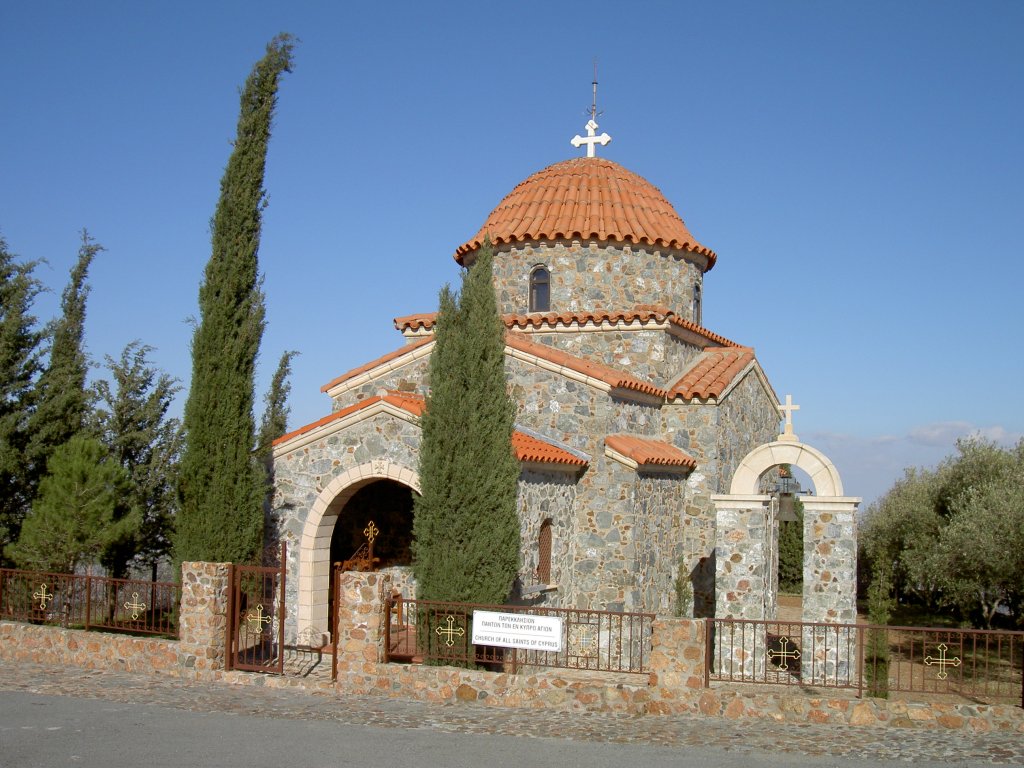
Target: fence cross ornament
column 258, row 619
column 42, row 596
column 942, row 661
column 450, row 631
column 784, row 654
column 135, row 606
column 582, row 637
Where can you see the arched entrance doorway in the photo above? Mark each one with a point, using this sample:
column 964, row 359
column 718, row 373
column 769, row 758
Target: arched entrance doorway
column 373, row 530
column 332, row 529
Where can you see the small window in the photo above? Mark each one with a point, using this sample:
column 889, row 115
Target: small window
column 544, row 553
column 540, row 290
column 696, row 309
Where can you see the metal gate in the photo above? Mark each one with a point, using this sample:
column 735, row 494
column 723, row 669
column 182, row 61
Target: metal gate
column 256, row 614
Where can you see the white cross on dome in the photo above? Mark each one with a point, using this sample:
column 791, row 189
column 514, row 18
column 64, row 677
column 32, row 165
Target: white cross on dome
column 591, row 139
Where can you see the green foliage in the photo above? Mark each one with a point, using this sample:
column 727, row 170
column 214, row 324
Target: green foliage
column 20, row 364
column 982, row 547
column 791, row 551
column 62, row 403
column 876, row 654
column 221, row 486
column 466, row 528
column 131, row 419
column 275, row 415
column 954, row 536
column 684, row 592
column 79, row 511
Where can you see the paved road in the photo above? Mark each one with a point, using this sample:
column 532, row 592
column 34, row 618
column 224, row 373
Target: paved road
column 52, row 717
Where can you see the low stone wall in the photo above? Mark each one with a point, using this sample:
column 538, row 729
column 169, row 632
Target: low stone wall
column 674, row 684
column 90, row 650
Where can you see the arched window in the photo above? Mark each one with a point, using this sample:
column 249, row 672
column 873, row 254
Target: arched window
column 696, row 309
column 540, row 289
column 544, row 553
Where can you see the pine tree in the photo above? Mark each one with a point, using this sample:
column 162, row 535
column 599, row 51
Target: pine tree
column 62, row 403
column 20, row 364
column 221, row 486
column 131, row 419
column 466, row 528
column 74, row 518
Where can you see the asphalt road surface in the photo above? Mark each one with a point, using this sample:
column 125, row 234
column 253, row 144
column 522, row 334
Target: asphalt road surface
column 46, row 731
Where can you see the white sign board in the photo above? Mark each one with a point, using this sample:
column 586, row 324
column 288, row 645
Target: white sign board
column 517, row 630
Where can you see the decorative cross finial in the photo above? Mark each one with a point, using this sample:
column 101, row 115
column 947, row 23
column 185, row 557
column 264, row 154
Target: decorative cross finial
column 788, row 408
column 592, row 138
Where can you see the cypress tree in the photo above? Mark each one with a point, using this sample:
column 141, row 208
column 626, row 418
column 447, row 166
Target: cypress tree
column 20, row 364
column 466, row 529
column 221, row 486
column 275, row 416
column 62, row 403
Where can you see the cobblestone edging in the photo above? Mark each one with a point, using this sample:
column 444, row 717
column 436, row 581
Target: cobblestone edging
column 616, row 694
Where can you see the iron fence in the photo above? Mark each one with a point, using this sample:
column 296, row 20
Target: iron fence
column 441, row 632
column 256, row 616
column 982, row 666
column 90, row 602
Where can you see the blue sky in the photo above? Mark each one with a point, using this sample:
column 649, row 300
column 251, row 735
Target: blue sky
column 858, row 168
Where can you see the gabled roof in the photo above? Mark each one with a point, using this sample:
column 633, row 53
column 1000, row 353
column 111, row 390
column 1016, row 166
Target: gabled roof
column 586, row 198
column 396, row 358
column 643, row 313
column 641, row 452
column 528, row 447
column 713, row 372
column 403, row 401
column 588, row 371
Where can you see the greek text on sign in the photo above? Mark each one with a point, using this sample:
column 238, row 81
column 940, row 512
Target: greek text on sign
column 517, row 630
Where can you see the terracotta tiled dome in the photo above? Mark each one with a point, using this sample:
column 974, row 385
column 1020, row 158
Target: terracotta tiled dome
column 586, row 198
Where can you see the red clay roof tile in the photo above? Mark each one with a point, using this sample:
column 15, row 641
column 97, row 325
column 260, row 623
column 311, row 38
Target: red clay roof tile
column 374, row 363
column 530, row 448
column 604, row 373
column 712, row 372
column 647, row 452
column 586, row 198
column 643, row 313
column 527, row 447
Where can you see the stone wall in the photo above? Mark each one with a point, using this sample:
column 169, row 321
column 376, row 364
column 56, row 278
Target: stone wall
column 650, row 353
column 591, row 276
column 546, row 495
column 746, row 418
column 659, row 500
column 410, row 377
column 88, row 650
column 673, row 685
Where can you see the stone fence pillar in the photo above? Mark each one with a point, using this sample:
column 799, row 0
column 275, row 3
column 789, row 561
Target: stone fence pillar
column 743, row 579
column 678, row 656
column 360, row 622
column 830, row 588
column 203, row 617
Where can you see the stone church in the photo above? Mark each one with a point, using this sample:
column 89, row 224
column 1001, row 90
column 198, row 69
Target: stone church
column 632, row 414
